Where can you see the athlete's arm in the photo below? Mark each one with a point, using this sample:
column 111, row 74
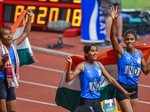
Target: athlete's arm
column 146, row 66
column 113, row 81
column 27, row 29
column 70, row 75
column 118, row 49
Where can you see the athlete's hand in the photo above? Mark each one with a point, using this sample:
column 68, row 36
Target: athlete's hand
column 30, row 13
column 69, row 59
column 128, row 94
column 9, row 82
column 18, row 77
column 114, row 12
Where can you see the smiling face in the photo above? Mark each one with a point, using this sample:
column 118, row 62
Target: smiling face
column 129, row 40
column 6, row 36
column 90, row 53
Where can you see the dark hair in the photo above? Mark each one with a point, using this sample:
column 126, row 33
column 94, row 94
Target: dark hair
column 5, row 26
column 87, row 48
column 130, row 31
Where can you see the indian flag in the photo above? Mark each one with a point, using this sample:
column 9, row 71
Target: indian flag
column 24, row 49
column 68, row 94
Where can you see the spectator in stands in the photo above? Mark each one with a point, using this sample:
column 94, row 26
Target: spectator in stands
column 106, row 6
column 9, row 66
column 130, row 64
column 91, row 74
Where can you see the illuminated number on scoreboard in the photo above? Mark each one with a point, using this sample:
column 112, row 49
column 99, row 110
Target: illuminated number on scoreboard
column 48, row 0
column 20, row 8
column 43, row 14
column 54, row 14
column 76, row 19
column 53, row 0
column 76, row 1
column 41, row 17
column 18, row 11
column 72, row 1
column 42, row 0
column 68, row 15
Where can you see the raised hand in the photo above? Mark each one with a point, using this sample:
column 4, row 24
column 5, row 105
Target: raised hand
column 10, row 82
column 30, row 12
column 69, row 59
column 114, row 12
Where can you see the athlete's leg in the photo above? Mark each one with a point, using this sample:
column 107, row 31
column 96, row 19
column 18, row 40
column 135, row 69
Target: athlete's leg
column 11, row 106
column 126, row 105
column 3, row 96
column 11, row 99
column 124, row 102
column 133, row 103
column 3, row 105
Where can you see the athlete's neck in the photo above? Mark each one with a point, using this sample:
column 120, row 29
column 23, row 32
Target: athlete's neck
column 131, row 50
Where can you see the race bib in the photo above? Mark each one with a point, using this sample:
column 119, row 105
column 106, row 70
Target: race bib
column 109, row 105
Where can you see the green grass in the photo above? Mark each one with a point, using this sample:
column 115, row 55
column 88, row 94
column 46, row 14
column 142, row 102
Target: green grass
column 136, row 4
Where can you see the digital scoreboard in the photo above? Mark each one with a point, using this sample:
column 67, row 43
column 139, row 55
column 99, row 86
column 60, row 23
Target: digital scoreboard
column 45, row 11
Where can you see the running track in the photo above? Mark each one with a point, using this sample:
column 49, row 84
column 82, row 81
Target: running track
column 39, row 82
column 38, row 85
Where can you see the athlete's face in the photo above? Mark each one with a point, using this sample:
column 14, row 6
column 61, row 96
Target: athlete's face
column 7, row 37
column 129, row 40
column 92, row 54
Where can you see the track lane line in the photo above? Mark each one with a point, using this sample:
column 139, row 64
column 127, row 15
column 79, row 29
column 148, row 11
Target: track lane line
column 143, row 85
column 38, row 84
column 51, row 51
column 142, row 101
column 45, row 68
column 35, row 101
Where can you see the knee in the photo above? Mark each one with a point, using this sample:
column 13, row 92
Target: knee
column 11, row 110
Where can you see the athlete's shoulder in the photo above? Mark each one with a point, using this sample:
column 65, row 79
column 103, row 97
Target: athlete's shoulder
column 139, row 52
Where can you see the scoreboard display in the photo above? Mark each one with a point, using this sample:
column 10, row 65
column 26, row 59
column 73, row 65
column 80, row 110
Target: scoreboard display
column 45, row 11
